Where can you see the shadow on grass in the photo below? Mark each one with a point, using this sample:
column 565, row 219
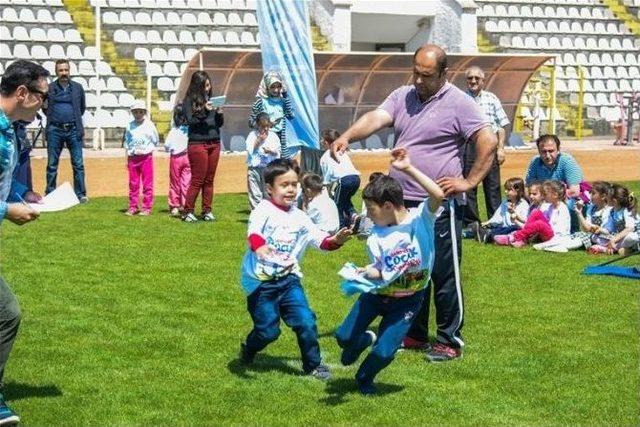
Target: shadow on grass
column 16, row 391
column 243, row 221
column 327, row 334
column 244, row 211
column 338, row 390
column 263, row 363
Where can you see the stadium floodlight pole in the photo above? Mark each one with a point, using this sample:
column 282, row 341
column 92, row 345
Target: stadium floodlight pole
column 580, row 102
column 552, row 92
column 98, row 135
column 148, row 88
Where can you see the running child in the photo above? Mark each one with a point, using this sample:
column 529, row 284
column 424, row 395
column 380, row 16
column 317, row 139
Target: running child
column 401, row 250
column 278, row 235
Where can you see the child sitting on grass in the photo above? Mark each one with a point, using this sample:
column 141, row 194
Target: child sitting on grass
column 401, row 249
column 552, row 220
column 593, row 223
column 515, row 205
column 318, row 205
column 622, row 223
column 278, row 235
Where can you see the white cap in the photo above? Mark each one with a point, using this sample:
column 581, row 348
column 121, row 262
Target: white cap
column 139, row 104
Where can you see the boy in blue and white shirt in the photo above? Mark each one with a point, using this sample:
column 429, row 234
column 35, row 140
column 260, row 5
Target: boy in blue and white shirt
column 401, row 249
column 278, row 235
column 140, row 139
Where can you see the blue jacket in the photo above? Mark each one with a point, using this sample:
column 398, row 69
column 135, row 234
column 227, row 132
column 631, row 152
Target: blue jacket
column 77, row 100
column 10, row 189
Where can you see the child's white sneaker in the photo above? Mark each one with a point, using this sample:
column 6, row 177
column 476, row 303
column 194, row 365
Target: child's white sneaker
column 190, row 217
column 174, row 212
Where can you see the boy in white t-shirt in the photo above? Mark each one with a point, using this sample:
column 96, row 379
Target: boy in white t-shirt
column 401, row 249
column 343, row 174
column 278, row 235
column 318, row 205
column 263, row 146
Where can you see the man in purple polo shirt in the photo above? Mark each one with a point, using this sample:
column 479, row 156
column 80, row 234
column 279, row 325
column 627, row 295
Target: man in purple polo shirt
column 433, row 120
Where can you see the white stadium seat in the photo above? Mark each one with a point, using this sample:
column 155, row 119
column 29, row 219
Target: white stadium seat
column 153, row 37
column 165, row 84
column 21, row 34
column 159, row 54
column 201, row 38
column 186, row 37
column 142, row 54
column 169, row 37
column 21, row 51
column 43, row 16
column 139, row 37
column 234, row 19
column 189, row 19
column 171, row 69
column 173, row 19
column 217, row 38
column 143, row 18
column 232, row 38
column 110, row 18
column 157, row 18
column 27, row 16
column 96, row 84
column 153, row 69
column 250, row 19
column 204, row 19
column 126, row 100
column 115, row 84
column 121, row 36
column 39, row 52
column 219, row 18
column 72, row 36
column 175, row 54
column 74, row 52
column 62, row 17
column 126, row 18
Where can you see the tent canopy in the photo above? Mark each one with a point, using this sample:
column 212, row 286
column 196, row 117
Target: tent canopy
column 350, row 84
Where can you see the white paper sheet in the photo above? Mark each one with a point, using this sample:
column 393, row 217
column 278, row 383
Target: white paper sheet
column 59, row 199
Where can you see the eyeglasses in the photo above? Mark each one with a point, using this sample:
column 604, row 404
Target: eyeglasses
column 471, row 78
column 43, row 95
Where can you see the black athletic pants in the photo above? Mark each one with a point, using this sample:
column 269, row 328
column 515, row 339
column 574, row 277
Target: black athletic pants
column 490, row 185
column 445, row 285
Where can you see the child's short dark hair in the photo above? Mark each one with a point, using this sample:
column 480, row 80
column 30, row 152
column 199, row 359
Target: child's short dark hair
column 263, row 120
column 279, row 167
column 516, row 184
column 602, row 187
column 375, row 175
column 556, row 186
column 384, row 189
column 330, row 135
column 312, row 181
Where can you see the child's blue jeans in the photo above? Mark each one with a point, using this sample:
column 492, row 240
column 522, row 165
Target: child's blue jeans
column 347, row 187
column 283, row 298
column 397, row 316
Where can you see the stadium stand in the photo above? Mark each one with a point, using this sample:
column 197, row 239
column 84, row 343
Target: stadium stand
column 590, row 34
column 158, row 37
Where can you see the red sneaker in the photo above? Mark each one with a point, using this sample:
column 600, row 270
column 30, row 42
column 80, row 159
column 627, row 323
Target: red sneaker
column 518, row 243
column 414, row 344
column 443, row 353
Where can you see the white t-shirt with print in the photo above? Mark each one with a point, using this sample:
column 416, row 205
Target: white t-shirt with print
column 324, row 213
column 332, row 171
column 559, row 218
column 288, row 233
column 404, row 249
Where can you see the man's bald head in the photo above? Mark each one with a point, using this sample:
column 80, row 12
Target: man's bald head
column 429, row 70
column 436, row 52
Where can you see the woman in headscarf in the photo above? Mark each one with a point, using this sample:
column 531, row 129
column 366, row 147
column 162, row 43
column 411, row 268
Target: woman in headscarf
column 272, row 99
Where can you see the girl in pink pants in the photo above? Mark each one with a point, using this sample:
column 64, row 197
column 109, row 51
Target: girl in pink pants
column 179, row 168
column 140, row 139
column 551, row 221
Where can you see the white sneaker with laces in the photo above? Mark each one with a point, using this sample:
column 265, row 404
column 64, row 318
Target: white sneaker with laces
column 190, row 217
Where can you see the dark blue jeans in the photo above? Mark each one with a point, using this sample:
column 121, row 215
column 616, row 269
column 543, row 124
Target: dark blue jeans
column 397, row 316
column 283, row 299
column 347, row 187
column 56, row 139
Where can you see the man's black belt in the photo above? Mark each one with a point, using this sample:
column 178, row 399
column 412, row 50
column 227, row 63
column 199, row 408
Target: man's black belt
column 63, row 125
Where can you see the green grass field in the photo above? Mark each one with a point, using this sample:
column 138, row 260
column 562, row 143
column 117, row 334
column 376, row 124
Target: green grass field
column 137, row 321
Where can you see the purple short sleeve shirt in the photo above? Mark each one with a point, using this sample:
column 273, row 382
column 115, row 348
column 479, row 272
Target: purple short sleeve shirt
column 434, row 132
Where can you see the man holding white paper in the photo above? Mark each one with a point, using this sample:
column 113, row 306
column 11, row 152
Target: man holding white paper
column 23, row 90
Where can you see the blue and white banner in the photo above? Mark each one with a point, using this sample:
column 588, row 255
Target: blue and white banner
column 285, row 40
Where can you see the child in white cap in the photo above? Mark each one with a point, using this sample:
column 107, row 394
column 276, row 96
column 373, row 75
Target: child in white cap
column 140, row 139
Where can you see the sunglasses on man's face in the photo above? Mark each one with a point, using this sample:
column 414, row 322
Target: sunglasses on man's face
column 43, row 95
column 472, row 78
